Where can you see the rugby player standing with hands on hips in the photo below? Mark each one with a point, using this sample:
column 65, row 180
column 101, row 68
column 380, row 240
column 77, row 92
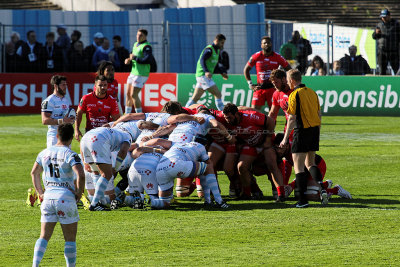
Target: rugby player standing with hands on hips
column 265, row 61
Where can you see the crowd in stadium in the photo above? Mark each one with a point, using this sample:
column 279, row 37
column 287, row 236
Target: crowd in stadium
column 64, row 53
column 70, row 54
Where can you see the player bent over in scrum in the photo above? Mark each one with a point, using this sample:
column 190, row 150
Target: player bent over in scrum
column 142, row 174
column 182, row 161
column 59, row 163
column 96, row 146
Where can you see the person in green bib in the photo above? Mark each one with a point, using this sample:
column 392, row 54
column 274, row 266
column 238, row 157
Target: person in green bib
column 140, row 57
column 206, row 67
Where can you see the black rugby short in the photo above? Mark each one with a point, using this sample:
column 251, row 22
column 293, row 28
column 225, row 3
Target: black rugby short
column 305, row 140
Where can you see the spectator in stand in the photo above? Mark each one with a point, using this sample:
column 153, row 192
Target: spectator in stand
column 53, row 55
column 387, row 35
column 354, row 65
column 64, row 42
column 317, row 67
column 11, row 48
column 337, row 68
column 91, row 49
column 304, row 49
column 121, row 53
column 31, row 54
column 78, row 60
column 75, row 36
column 103, row 54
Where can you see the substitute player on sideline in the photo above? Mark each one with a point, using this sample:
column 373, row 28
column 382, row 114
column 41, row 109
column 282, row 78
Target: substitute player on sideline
column 265, row 61
column 54, row 107
column 140, row 57
column 59, row 200
column 206, row 65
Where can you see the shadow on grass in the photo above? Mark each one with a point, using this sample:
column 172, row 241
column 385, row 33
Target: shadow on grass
column 368, row 201
column 268, row 203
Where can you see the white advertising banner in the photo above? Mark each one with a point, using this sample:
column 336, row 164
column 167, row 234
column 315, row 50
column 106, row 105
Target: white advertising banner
column 343, row 37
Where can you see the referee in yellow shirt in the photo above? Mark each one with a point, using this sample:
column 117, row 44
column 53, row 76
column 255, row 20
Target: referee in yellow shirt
column 305, row 119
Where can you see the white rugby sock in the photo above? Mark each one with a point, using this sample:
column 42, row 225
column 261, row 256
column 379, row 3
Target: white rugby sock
column 70, row 253
column 206, row 188
column 105, row 200
column 40, row 249
column 128, row 110
column 157, row 203
column 219, row 104
column 189, row 103
column 138, row 110
column 101, row 186
column 213, row 184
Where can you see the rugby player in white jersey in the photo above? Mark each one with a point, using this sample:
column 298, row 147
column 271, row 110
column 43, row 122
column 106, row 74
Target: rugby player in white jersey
column 59, row 164
column 184, row 160
column 183, row 128
column 142, row 174
column 96, row 146
column 110, row 194
column 146, row 124
column 54, row 107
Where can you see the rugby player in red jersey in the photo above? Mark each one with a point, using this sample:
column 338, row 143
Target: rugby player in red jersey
column 100, row 108
column 255, row 130
column 280, row 96
column 285, row 163
column 265, row 61
column 106, row 68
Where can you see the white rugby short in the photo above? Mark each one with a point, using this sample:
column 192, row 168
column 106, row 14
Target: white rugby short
column 169, row 169
column 204, row 83
column 96, row 152
column 59, row 210
column 142, row 178
column 136, row 81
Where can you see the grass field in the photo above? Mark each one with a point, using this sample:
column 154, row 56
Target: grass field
column 362, row 155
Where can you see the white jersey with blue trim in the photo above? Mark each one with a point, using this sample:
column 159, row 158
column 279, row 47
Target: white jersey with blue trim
column 147, row 161
column 58, row 178
column 185, row 131
column 157, row 118
column 57, row 107
column 192, row 151
column 115, row 136
column 130, row 127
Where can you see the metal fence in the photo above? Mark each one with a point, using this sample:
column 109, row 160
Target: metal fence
column 177, row 46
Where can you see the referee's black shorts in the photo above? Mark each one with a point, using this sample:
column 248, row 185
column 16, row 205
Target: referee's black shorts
column 305, row 140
